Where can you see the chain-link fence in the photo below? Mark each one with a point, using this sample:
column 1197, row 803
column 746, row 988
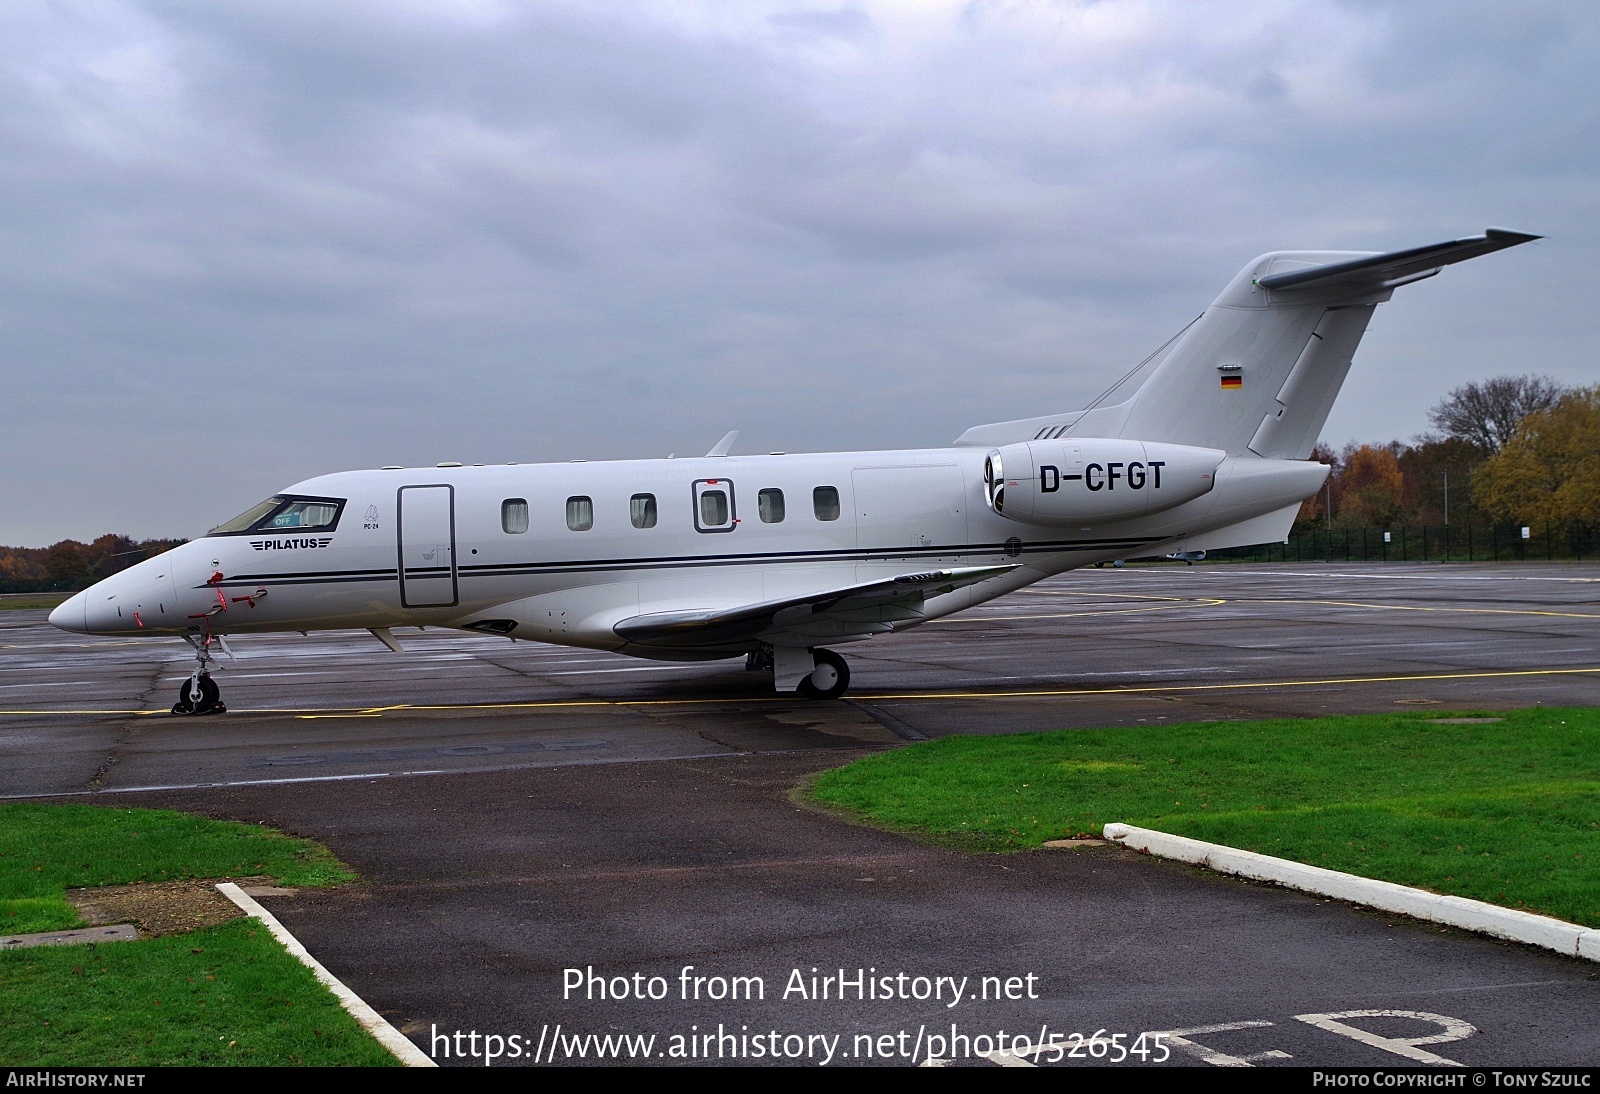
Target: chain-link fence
column 1429, row 543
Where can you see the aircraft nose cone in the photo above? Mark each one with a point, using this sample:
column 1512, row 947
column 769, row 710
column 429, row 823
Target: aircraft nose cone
column 72, row 615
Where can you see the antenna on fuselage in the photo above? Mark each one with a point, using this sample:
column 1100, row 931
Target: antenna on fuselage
column 722, row 446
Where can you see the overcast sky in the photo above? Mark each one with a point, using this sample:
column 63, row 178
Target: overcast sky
column 245, row 243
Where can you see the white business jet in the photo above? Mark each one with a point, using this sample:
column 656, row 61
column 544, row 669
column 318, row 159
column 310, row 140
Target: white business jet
column 774, row 558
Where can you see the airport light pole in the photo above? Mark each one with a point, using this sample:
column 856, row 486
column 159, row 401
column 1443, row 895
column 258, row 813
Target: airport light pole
column 1327, row 512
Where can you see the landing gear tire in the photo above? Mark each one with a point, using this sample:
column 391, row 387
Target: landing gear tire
column 199, row 695
column 828, row 680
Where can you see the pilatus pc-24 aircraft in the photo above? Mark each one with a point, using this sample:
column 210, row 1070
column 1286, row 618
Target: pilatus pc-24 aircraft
column 775, row 558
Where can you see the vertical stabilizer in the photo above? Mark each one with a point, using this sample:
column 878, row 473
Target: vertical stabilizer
column 1259, row 372
column 1226, row 376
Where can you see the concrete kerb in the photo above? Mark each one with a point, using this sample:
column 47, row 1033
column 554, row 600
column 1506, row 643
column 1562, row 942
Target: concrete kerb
column 369, row 1019
column 1455, row 911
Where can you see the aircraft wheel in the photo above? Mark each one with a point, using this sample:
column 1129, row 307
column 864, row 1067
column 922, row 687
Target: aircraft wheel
column 828, row 680
column 206, row 699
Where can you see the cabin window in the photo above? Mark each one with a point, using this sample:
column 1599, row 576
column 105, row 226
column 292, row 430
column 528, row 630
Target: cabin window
column 770, row 503
column 713, row 508
column 642, row 510
column 825, row 502
column 580, row 514
column 514, row 515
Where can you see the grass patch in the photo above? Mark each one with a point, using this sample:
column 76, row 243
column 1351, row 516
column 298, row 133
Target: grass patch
column 1507, row 812
column 21, row 602
column 226, row 995
column 47, row 849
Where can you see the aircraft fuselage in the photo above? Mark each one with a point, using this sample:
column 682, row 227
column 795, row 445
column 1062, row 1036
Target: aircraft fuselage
column 442, row 546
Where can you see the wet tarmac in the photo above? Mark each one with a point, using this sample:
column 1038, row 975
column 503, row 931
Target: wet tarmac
column 519, row 810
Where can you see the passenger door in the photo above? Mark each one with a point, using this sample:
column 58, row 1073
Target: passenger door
column 713, row 506
column 426, row 530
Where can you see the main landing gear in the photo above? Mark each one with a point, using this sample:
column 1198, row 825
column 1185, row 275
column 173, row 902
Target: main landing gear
column 199, row 694
column 809, row 673
column 828, row 680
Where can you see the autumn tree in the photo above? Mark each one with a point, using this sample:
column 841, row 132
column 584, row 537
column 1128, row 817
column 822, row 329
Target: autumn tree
column 1424, row 467
column 1371, row 488
column 66, row 565
column 1486, row 414
column 1549, row 470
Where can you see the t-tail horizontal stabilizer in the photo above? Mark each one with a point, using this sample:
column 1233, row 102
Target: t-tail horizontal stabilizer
column 1390, row 271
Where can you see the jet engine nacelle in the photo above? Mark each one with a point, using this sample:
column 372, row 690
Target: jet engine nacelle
column 1080, row 480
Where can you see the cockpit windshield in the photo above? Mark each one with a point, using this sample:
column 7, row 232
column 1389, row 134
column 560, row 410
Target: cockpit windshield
column 284, row 513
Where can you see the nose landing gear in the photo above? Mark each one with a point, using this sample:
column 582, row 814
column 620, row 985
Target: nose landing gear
column 199, row 694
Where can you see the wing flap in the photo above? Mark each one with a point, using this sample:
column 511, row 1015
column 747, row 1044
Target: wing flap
column 873, row 607
column 1396, row 267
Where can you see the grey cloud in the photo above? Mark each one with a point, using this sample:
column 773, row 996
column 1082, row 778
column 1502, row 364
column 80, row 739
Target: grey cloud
column 246, row 243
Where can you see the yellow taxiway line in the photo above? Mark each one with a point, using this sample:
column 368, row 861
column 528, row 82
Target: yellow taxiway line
column 1208, row 601
column 1246, row 685
column 1034, row 693
column 1415, row 608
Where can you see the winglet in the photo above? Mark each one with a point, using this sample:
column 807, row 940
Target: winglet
column 1385, row 271
column 722, row 446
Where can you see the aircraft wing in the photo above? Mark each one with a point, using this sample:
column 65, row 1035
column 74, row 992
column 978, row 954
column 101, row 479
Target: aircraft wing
column 853, row 611
column 1385, row 271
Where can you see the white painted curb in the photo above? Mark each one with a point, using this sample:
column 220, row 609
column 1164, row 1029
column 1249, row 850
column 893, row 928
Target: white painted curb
column 369, row 1019
column 1455, row 911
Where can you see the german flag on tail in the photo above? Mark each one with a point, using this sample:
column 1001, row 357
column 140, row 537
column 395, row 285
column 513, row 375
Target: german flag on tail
column 1233, row 382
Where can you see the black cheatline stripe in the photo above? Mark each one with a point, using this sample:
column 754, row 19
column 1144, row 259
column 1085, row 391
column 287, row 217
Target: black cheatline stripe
column 289, row 579
column 1130, row 545
column 533, row 569
column 518, row 569
column 841, row 554
column 307, row 573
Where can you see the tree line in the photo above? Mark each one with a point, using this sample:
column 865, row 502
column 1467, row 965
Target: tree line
column 1514, row 449
column 69, row 565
